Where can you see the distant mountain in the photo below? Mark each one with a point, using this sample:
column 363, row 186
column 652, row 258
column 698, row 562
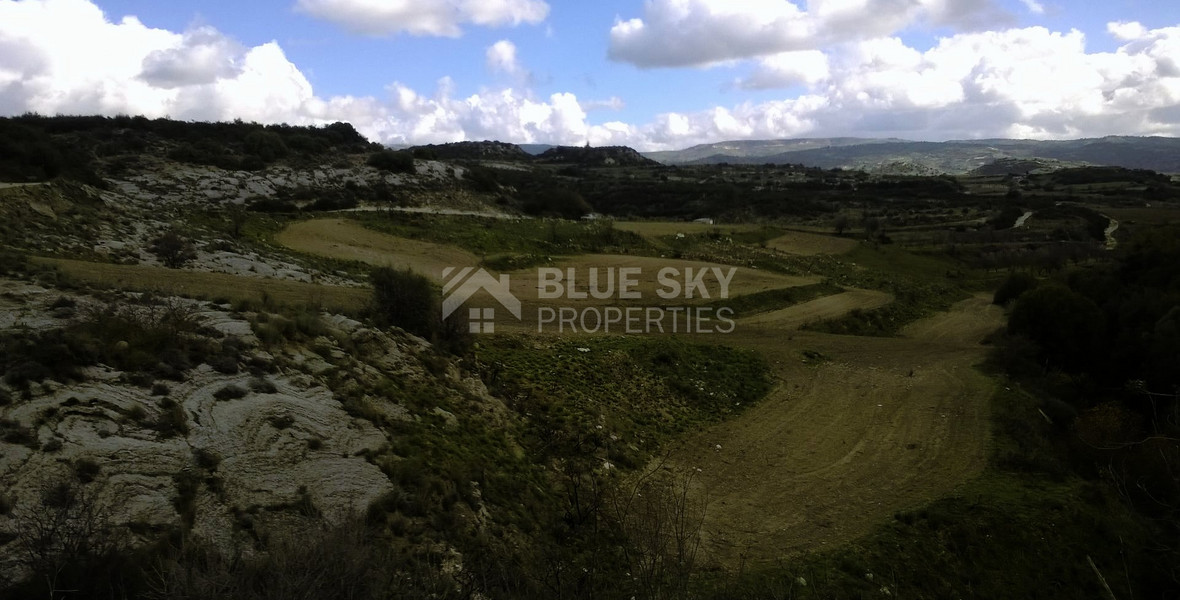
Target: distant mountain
column 726, row 151
column 958, row 156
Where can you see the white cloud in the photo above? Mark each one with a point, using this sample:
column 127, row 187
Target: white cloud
column 676, row 33
column 1015, row 83
column 1029, row 82
column 613, row 103
column 501, row 58
column 203, row 56
column 432, row 17
column 1034, row 7
column 788, row 68
column 1126, row 31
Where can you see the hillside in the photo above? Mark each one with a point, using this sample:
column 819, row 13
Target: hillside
column 611, row 156
column 954, row 157
column 472, row 151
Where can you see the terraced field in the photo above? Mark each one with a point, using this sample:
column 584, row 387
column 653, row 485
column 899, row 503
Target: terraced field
column 856, row 429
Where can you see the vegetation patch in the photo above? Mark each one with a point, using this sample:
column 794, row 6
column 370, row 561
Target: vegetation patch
column 625, row 395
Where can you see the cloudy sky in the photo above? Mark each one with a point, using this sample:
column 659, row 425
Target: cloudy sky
column 652, row 74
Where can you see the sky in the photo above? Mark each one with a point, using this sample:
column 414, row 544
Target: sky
column 650, row 74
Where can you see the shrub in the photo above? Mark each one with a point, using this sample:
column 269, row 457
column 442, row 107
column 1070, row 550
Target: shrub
column 206, row 459
column 224, row 364
column 136, row 413
column 172, row 249
column 86, row 469
column 406, row 299
column 266, row 145
column 172, row 421
column 557, row 203
column 1013, row 286
column 1066, row 325
column 393, row 161
column 262, row 385
column 230, row 392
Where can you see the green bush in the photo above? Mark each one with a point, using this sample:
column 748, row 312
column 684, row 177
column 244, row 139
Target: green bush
column 173, row 420
column 1066, row 325
column 268, row 146
column 86, row 469
column 172, row 249
column 230, row 392
column 405, row 299
column 1013, row 286
column 394, row 161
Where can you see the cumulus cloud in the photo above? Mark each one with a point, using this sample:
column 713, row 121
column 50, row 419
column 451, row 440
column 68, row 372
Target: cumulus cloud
column 203, row 56
column 139, row 70
column 788, row 68
column 677, row 33
column 433, row 18
column 501, row 58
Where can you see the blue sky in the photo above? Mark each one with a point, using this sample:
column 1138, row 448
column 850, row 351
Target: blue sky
column 653, row 74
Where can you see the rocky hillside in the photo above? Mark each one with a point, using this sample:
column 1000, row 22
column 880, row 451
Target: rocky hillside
column 473, row 151
column 603, row 156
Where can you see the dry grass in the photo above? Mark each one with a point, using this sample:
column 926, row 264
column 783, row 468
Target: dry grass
column 662, row 228
column 347, row 240
column 194, row 284
column 810, row 244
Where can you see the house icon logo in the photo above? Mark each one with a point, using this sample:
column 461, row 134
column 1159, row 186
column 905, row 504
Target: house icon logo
column 464, row 284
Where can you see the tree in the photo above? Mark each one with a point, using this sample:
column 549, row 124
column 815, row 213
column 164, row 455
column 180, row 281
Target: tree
column 1013, row 286
column 841, row 223
column 405, row 299
column 409, row 300
column 872, row 226
column 172, row 249
column 1067, row 325
column 560, row 202
column 266, row 145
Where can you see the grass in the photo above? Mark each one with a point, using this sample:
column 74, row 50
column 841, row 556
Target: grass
column 483, row 236
column 1028, row 532
column 192, row 284
column 921, row 285
column 758, row 302
column 624, row 395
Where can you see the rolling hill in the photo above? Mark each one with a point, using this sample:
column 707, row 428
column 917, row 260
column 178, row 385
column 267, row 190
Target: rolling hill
column 957, row 156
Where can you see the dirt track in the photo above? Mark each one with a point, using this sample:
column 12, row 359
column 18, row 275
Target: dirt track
column 841, row 445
